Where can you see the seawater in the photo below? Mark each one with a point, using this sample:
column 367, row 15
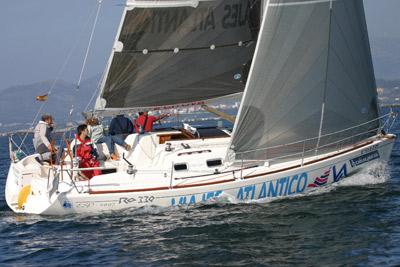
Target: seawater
column 355, row 222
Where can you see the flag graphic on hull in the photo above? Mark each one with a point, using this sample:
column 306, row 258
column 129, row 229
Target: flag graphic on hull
column 322, row 180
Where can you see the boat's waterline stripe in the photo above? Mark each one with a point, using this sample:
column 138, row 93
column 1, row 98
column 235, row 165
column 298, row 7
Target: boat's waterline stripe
column 158, row 188
column 301, row 3
column 227, row 180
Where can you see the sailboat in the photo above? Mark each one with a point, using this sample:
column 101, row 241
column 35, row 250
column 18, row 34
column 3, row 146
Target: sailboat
column 308, row 115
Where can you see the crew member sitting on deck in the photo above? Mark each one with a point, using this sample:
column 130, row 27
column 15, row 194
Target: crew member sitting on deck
column 85, row 152
column 96, row 134
column 41, row 139
column 120, row 128
column 144, row 123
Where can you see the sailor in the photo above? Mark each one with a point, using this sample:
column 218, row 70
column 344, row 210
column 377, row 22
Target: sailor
column 86, row 153
column 97, row 135
column 144, row 122
column 42, row 137
column 120, row 128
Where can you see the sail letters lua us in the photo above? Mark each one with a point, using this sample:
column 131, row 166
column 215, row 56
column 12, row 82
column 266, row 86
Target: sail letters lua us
column 168, row 20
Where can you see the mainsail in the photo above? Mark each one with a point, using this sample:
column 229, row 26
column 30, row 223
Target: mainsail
column 312, row 75
column 172, row 52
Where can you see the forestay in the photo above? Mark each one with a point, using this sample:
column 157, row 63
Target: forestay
column 172, row 52
column 312, row 76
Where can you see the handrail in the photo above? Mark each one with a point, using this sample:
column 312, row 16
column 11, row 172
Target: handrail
column 312, row 149
column 88, row 169
column 316, row 138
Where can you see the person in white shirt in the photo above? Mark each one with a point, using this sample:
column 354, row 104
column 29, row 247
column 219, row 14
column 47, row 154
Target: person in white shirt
column 42, row 137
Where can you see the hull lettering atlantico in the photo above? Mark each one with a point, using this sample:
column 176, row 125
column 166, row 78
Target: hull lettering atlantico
column 308, row 115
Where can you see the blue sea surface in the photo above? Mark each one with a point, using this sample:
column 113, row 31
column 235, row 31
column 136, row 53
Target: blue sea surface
column 353, row 224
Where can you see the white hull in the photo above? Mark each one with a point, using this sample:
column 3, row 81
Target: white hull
column 120, row 190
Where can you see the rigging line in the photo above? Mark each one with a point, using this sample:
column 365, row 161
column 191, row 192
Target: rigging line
column 96, row 91
column 86, row 57
column 90, row 42
column 52, row 86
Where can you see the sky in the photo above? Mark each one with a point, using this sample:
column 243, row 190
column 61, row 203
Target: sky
column 37, row 36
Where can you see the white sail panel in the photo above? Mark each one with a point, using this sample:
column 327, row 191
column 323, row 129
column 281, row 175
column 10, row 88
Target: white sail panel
column 312, row 75
column 351, row 97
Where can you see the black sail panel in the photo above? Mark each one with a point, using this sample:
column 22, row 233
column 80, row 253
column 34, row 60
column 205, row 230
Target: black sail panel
column 175, row 55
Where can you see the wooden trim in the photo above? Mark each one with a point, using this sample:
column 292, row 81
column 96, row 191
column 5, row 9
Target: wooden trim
column 210, row 174
column 187, row 134
column 203, row 184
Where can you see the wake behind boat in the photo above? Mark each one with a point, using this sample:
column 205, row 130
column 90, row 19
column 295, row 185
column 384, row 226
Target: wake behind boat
column 308, row 115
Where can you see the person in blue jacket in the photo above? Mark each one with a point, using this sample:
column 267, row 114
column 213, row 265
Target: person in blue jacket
column 120, row 128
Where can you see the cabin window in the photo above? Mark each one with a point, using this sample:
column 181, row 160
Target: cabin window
column 180, row 167
column 214, row 162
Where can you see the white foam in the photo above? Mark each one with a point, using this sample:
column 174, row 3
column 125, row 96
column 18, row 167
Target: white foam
column 226, row 198
column 153, row 210
column 375, row 173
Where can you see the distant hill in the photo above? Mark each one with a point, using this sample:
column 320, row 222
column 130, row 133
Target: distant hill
column 18, row 104
column 388, row 84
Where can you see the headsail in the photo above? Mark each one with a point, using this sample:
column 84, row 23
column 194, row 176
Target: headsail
column 170, row 52
column 312, row 76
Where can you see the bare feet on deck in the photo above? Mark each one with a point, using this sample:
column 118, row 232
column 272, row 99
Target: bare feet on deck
column 127, row 147
column 114, row 157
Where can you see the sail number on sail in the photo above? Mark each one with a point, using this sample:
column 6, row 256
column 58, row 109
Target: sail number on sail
column 205, row 18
